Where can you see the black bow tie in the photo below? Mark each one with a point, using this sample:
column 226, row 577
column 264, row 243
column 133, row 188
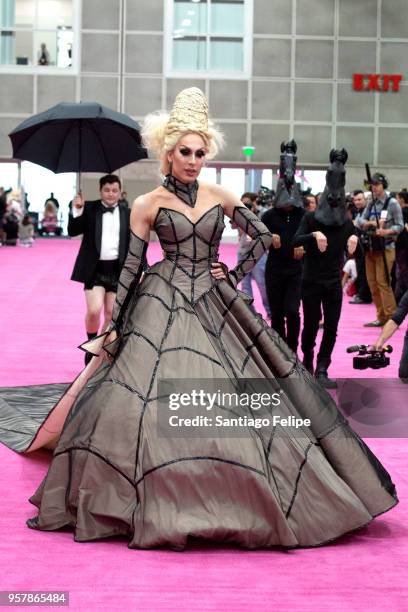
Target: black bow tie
column 106, row 209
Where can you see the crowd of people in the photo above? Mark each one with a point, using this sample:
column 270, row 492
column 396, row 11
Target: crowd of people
column 20, row 226
column 376, row 271
column 293, row 272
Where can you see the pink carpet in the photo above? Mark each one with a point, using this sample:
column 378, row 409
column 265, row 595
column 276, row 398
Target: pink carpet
column 41, row 319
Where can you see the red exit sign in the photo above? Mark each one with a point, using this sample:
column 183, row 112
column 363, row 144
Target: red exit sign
column 376, row 82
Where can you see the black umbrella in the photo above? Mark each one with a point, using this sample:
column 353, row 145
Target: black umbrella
column 81, row 137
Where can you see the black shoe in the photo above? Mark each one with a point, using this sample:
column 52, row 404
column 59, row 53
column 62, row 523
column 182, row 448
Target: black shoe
column 32, row 523
column 324, row 380
column 308, row 362
column 375, row 323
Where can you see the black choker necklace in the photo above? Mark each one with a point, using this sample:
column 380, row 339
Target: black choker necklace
column 185, row 191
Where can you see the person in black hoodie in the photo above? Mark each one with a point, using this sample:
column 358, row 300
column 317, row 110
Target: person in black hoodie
column 325, row 233
column 401, row 249
column 283, row 269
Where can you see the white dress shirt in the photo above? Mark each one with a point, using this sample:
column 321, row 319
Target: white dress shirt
column 110, row 233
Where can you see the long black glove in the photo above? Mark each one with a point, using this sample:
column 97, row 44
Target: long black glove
column 255, row 248
column 129, row 279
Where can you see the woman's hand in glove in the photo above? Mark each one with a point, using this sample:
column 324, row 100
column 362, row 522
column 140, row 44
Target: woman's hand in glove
column 219, row 271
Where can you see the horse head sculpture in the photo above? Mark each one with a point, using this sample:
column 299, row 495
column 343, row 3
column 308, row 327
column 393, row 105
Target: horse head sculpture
column 332, row 204
column 288, row 159
column 287, row 192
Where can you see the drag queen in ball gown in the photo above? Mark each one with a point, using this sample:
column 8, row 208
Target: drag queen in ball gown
column 111, row 474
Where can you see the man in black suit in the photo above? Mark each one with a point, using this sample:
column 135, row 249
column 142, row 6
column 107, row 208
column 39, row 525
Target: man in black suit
column 104, row 225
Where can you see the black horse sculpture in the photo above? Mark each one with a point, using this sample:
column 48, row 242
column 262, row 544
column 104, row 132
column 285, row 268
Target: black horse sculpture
column 287, row 192
column 332, row 204
column 288, row 159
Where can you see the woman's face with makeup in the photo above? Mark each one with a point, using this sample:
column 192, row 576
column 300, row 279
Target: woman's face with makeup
column 188, row 157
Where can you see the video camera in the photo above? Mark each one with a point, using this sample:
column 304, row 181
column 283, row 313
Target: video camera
column 370, row 241
column 369, row 358
column 265, row 196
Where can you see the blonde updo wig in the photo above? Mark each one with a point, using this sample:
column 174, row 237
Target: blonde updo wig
column 161, row 131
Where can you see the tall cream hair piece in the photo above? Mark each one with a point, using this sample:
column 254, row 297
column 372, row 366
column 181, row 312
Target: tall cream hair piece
column 161, row 131
column 189, row 113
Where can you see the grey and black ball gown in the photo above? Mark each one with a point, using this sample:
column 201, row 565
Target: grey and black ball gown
column 112, row 475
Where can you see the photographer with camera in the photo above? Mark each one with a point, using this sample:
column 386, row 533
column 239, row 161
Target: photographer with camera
column 363, row 295
column 263, row 200
column 388, row 330
column 381, row 223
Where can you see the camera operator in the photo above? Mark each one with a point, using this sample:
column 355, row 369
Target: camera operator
column 263, row 201
column 363, row 295
column 389, row 329
column 381, row 223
